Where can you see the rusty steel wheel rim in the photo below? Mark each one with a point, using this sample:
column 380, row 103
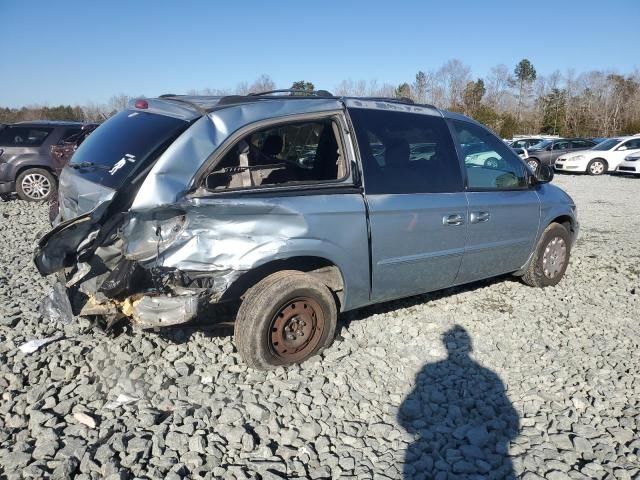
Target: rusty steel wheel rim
column 296, row 328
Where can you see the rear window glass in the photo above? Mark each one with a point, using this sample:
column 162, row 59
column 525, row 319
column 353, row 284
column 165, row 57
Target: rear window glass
column 124, row 144
column 69, row 135
column 24, row 136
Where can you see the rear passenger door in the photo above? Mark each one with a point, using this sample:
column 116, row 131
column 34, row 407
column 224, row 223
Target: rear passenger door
column 416, row 203
column 504, row 212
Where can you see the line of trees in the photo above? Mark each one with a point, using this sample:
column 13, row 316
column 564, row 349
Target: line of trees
column 519, row 100
column 508, row 100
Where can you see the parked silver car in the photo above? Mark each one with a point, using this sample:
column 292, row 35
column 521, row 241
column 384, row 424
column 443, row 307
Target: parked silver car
column 300, row 207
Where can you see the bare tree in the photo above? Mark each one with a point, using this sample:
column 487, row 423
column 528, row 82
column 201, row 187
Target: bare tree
column 118, row 102
column 453, row 77
column 498, row 82
column 264, row 83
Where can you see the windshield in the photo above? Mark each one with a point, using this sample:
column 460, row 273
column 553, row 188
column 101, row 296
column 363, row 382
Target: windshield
column 541, row 145
column 607, row 144
column 123, row 144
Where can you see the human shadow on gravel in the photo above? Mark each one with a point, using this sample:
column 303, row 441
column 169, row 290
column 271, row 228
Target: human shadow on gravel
column 460, row 416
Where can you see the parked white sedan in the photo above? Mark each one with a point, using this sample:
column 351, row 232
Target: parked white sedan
column 630, row 165
column 604, row 157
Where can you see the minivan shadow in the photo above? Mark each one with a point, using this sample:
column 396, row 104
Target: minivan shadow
column 459, row 416
column 217, row 320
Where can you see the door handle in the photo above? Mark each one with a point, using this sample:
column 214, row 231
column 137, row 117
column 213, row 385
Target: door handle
column 453, row 219
column 479, row 217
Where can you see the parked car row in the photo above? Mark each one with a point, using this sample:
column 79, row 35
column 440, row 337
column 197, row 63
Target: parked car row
column 618, row 154
column 594, row 156
column 548, row 151
column 32, row 155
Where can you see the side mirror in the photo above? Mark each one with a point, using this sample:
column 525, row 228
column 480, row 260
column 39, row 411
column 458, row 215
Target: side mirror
column 622, row 148
column 544, row 174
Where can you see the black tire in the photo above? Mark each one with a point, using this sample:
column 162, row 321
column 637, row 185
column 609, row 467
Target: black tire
column 546, row 271
column 35, row 185
column 533, row 163
column 268, row 328
column 597, row 166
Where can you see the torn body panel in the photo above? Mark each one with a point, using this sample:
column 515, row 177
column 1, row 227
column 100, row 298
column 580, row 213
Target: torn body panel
column 211, row 244
column 230, row 236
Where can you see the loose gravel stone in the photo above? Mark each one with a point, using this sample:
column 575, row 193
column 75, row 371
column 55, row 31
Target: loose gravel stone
column 486, row 380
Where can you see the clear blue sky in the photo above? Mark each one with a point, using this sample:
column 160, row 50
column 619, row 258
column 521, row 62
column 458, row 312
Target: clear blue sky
column 56, row 52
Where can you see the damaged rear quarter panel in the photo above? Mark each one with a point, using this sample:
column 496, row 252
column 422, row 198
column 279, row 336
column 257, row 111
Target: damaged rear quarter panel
column 228, row 236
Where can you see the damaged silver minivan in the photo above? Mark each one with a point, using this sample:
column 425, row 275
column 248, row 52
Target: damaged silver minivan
column 299, row 206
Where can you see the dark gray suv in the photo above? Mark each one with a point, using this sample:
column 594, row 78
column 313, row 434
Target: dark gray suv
column 25, row 158
column 292, row 208
column 548, row 151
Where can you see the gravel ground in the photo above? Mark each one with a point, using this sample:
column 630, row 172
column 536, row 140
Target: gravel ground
column 492, row 380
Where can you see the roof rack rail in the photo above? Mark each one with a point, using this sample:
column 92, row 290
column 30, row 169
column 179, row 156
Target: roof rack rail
column 177, row 98
column 404, row 100
column 294, row 92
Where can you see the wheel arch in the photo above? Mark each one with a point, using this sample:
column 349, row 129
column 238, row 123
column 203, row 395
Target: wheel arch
column 33, row 166
column 567, row 221
column 325, row 270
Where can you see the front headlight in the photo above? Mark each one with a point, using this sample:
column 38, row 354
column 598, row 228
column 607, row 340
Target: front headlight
column 576, row 158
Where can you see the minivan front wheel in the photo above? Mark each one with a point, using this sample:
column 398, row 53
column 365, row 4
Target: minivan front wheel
column 35, row 185
column 284, row 319
column 550, row 258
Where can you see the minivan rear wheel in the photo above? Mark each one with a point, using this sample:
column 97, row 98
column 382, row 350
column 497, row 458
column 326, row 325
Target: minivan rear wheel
column 35, row 185
column 550, row 258
column 284, row 319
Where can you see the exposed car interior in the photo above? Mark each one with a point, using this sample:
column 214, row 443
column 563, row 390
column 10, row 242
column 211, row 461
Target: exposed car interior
column 298, row 152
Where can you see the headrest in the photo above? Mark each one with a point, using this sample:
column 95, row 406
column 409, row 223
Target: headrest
column 272, row 145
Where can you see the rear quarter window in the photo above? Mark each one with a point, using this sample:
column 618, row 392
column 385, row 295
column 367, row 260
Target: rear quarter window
column 24, row 136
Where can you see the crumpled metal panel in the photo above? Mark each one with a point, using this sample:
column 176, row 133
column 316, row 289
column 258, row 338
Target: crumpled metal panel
column 174, row 170
column 162, row 311
column 226, row 236
column 78, row 196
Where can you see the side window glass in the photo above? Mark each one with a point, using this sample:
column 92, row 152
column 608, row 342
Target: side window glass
column 291, row 153
column 632, row 144
column 24, row 136
column 560, row 146
column 405, row 152
column 489, row 163
column 579, row 144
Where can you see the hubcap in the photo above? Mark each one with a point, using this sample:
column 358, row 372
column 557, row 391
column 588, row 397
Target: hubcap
column 555, row 254
column 36, row 186
column 597, row 168
column 533, row 165
column 492, row 163
column 296, row 329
